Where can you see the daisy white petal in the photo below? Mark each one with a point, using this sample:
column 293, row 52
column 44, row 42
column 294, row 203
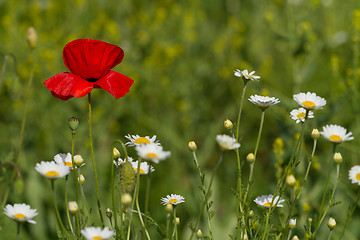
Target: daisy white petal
column 91, row 233
column 137, row 140
column 246, row 75
column 52, row 170
column 20, row 212
column 265, row 201
column 354, row 174
column 309, row 101
column 173, row 199
column 144, row 167
column 152, row 152
column 299, row 114
column 263, row 102
column 336, row 134
column 226, row 142
column 120, row 161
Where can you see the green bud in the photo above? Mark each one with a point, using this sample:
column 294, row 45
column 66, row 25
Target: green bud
column 192, row 146
column 31, row 37
column 109, row 212
column 73, row 123
column 127, row 177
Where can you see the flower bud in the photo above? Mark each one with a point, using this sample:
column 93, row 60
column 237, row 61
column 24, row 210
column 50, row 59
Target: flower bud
column 31, row 37
column 295, row 237
column 109, row 212
column 250, row 158
column 116, row 153
column 126, row 199
column 292, row 223
column 290, row 180
column 337, row 158
column 81, row 179
column 169, row 208
column 228, row 124
column 73, row 123
column 177, row 221
column 315, row 134
column 73, row 207
column 199, row 234
column 331, row 223
column 251, row 213
column 307, row 236
column 192, row 146
column 78, row 160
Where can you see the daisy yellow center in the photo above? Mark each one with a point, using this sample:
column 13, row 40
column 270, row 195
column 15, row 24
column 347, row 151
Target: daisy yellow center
column 358, row 176
column 267, row 204
column 141, row 140
column 19, row 215
column 152, row 155
column 335, row 138
column 68, row 164
column 308, row 104
column 52, row 174
column 97, row 238
column 141, row 171
column 173, row 200
column 301, row 115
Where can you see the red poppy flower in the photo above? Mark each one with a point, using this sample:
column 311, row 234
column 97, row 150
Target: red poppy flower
column 89, row 62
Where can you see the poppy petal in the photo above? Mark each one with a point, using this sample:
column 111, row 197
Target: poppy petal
column 91, row 59
column 67, row 85
column 115, row 83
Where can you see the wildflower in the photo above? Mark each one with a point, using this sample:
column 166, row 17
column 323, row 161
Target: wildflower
column 228, row 124
column 64, row 158
column 92, row 233
column 177, row 221
column 31, row 37
column 265, row 201
column 192, row 146
column 309, row 101
column 199, row 234
column 250, row 158
column 292, row 223
column 226, row 142
column 169, row 208
column 144, row 167
column 79, row 161
column 20, row 212
column 126, row 199
column 89, row 62
column 354, row 174
column 137, row 140
column 152, row 152
column 52, row 170
column 290, row 180
column 338, row 158
column 263, row 102
column 246, row 75
column 116, row 152
column 173, row 199
column 331, row 223
column 299, row 115
column 122, row 161
column 295, row 237
column 336, row 134
column 315, row 134
column 81, row 179
column 73, row 123
column 109, row 212
column 73, row 207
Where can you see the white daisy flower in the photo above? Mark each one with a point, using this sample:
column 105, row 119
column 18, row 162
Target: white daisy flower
column 336, row 134
column 299, row 114
column 65, row 158
column 354, row 174
column 265, row 201
column 263, row 102
column 309, row 100
column 173, row 199
column 245, row 74
column 144, row 167
column 292, row 223
column 137, row 140
column 152, row 152
column 226, row 142
column 52, row 170
column 91, row 233
column 20, row 212
column 121, row 161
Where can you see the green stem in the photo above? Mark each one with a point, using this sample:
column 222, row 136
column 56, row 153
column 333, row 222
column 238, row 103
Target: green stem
column 330, row 235
column 76, row 181
column 289, row 235
column 93, row 162
column 351, row 211
column 57, row 210
column 167, row 225
column 175, row 234
column 84, row 201
column 66, row 206
column 147, row 193
column 18, row 231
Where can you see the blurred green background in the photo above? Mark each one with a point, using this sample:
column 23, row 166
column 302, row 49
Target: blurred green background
column 182, row 55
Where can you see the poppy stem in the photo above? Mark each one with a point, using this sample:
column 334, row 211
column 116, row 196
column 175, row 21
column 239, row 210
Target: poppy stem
column 93, row 161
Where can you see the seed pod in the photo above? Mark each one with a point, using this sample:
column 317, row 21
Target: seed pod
column 127, row 177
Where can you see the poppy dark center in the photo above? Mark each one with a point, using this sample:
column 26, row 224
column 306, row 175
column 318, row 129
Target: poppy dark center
column 91, row 79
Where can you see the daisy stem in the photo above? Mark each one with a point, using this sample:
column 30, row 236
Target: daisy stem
column 57, row 210
column 137, row 199
column 289, row 235
column 23, row 124
column 84, row 202
column 330, row 200
column 66, row 206
column 330, row 235
column 147, row 194
column 18, row 231
column 132, row 206
column 350, row 213
column 308, row 169
column 93, row 162
column 167, row 225
column 239, row 211
column 76, row 183
column 175, row 234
